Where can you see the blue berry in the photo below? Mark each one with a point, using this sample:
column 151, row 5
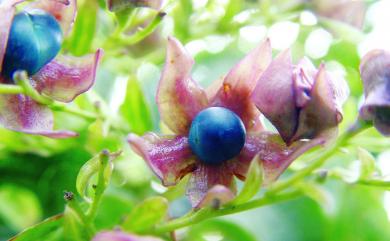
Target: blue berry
column 34, row 40
column 216, row 135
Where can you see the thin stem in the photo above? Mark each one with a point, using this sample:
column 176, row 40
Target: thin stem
column 130, row 22
column 207, row 213
column 22, row 80
column 375, row 183
column 143, row 33
column 100, row 187
column 74, row 205
column 73, row 110
column 11, row 89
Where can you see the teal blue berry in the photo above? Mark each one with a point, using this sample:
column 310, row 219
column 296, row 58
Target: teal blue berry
column 34, row 40
column 216, row 135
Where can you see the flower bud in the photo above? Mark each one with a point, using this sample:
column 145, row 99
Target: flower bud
column 375, row 73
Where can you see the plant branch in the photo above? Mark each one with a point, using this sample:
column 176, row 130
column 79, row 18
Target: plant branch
column 23, row 81
column 11, row 89
column 209, row 212
column 143, row 33
column 101, row 185
column 73, row 110
column 74, row 205
column 375, row 183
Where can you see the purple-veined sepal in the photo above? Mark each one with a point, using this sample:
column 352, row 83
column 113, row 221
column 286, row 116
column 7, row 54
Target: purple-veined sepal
column 275, row 156
column 170, row 157
column 179, row 97
column 209, row 183
column 66, row 77
column 234, row 93
column 21, row 113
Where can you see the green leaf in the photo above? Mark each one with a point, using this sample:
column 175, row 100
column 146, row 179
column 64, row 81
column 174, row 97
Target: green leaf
column 42, row 230
column 297, row 218
column 19, row 207
column 361, row 215
column 135, row 109
column 146, row 214
column 182, row 13
column 367, row 163
column 317, row 194
column 98, row 140
column 102, row 4
column 371, row 140
column 354, row 81
column 73, row 228
column 125, row 16
column 344, row 52
column 252, row 183
column 221, row 229
column 84, row 28
column 115, row 204
column 89, row 170
column 178, row 190
column 343, row 30
column 232, row 9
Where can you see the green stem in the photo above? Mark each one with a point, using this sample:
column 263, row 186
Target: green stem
column 130, row 21
column 100, row 187
column 73, row 110
column 375, row 183
column 74, row 205
column 143, row 33
column 11, row 89
column 207, row 213
column 23, row 81
column 357, row 127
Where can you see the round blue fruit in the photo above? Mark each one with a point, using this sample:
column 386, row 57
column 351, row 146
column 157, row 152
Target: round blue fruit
column 216, row 135
column 34, row 40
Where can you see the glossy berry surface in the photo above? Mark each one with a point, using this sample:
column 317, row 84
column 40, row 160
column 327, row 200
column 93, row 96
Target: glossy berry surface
column 34, row 40
column 216, row 135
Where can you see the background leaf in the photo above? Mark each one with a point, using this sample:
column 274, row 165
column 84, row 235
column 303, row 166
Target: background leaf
column 367, row 161
column 252, row 183
column 146, row 214
column 73, row 228
column 135, row 110
column 19, row 207
column 80, row 41
column 219, row 230
column 42, row 231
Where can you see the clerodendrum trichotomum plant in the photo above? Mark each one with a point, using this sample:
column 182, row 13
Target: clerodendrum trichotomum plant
column 259, row 135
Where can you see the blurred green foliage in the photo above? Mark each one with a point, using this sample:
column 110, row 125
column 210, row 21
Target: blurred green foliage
column 34, row 171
